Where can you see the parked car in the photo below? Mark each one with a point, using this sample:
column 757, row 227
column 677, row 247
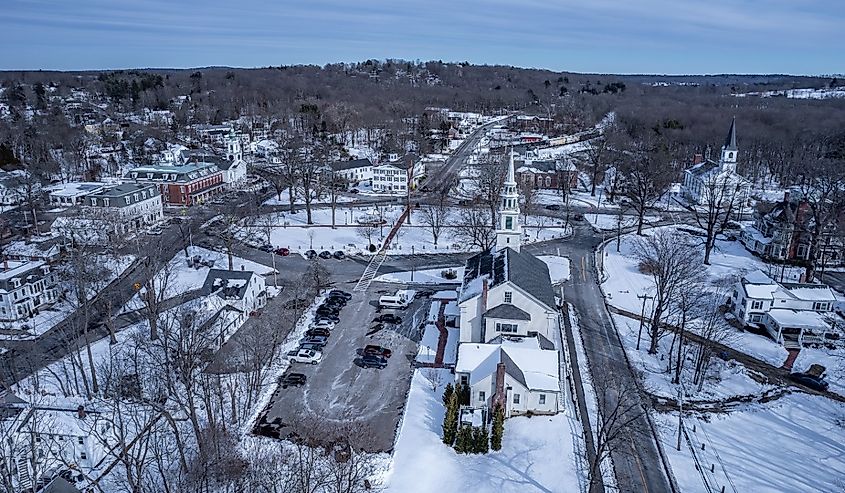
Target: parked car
column 327, row 316
column 324, row 310
column 292, row 380
column 811, row 381
column 553, row 207
column 354, row 190
column 325, row 254
column 377, row 351
column 318, row 331
column 323, row 324
column 266, row 247
column 283, row 252
column 336, row 293
column 314, row 341
column 339, row 255
column 373, row 361
column 310, row 254
column 388, row 318
column 336, row 303
column 306, row 356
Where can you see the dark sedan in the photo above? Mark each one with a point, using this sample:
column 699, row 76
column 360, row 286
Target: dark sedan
column 292, row 380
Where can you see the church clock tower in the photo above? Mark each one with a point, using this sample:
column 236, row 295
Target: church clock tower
column 509, row 233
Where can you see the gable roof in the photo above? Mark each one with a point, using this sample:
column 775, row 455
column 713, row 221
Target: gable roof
column 60, row 485
column 730, row 140
column 351, row 164
column 522, row 269
column 508, row 311
column 227, row 283
column 536, row 369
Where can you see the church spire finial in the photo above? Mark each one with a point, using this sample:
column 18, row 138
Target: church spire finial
column 511, row 178
column 509, row 232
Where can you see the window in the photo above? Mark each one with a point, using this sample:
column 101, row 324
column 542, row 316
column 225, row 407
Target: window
column 516, row 398
column 756, row 305
column 464, row 379
column 93, row 201
column 820, row 306
column 509, row 328
column 83, row 456
column 127, row 199
column 508, row 296
column 508, row 222
column 542, row 398
column 106, row 202
column 481, row 396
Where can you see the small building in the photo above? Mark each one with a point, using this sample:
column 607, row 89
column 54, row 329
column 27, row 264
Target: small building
column 25, row 287
column 515, row 373
column 243, row 290
column 181, row 185
column 126, row 207
column 70, row 194
column 398, row 175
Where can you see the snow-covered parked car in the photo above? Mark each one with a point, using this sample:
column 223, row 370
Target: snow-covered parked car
column 305, row 356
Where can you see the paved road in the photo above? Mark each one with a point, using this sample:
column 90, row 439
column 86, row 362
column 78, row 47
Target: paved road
column 637, row 464
column 340, row 392
column 442, row 181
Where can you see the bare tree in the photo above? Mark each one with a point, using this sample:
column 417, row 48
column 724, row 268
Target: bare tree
column 671, row 262
column 647, row 175
column 491, row 179
column 434, row 217
column 157, row 276
column 713, row 327
column 823, row 187
column 719, row 196
column 472, row 227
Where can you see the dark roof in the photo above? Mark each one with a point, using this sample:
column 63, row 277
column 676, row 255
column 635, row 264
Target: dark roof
column 508, row 311
column 219, row 281
column 523, row 269
column 351, row 164
column 544, row 342
column 60, row 485
column 512, row 368
column 730, row 140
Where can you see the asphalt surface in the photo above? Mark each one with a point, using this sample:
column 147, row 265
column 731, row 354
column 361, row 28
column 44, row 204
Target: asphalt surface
column 339, row 392
column 444, row 178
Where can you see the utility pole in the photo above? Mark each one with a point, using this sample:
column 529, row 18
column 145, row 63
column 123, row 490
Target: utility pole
column 680, row 413
column 642, row 317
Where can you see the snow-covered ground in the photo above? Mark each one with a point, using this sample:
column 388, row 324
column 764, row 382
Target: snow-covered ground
column 808, row 93
column 537, row 453
column 292, row 231
column 725, row 378
column 299, row 198
column 793, row 444
column 423, row 276
column 558, row 267
column 610, row 222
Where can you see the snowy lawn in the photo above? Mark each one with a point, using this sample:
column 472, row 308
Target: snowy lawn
column 609, row 222
column 537, row 453
column 725, row 378
column 283, row 198
column 558, row 267
column 423, row 276
column 789, row 445
column 293, row 232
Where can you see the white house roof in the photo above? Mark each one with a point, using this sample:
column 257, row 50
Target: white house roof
column 535, row 368
column 810, row 292
column 758, row 285
column 804, row 319
column 74, row 189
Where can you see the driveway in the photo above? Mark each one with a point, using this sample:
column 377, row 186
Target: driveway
column 340, row 395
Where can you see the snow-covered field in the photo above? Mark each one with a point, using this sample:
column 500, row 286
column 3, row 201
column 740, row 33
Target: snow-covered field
column 423, row 276
column 299, row 198
column 537, row 453
column 610, row 222
column 724, row 380
column 793, row 444
column 293, row 232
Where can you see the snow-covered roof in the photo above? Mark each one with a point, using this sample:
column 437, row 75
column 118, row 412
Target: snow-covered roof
column 535, row 368
column 74, row 189
column 803, row 319
column 758, row 285
column 810, row 292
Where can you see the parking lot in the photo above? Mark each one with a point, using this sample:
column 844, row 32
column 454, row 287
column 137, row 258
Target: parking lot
column 341, row 395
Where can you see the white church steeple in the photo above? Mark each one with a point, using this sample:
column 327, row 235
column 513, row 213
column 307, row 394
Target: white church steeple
column 509, row 233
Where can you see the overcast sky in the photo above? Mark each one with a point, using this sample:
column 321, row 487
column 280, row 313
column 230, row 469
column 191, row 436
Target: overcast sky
column 609, row 36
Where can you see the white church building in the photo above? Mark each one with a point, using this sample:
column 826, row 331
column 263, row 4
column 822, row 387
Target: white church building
column 710, row 180
column 509, row 324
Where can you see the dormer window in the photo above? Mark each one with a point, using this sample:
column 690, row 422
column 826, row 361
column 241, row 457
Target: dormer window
column 93, row 201
column 106, row 202
column 128, row 200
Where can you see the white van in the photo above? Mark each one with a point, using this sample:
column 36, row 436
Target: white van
column 400, row 300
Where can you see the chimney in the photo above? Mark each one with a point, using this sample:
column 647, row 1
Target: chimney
column 80, row 412
column 500, row 386
column 697, row 159
column 786, row 196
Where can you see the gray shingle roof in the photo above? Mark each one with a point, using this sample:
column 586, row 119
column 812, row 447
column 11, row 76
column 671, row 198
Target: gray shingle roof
column 507, row 311
column 730, row 140
column 523, row 269
column 351, row 164
column 219, row 281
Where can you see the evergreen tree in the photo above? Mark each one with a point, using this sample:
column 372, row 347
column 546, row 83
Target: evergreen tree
column 498, row 428
column 483, row 440
column 464, row 394
column 447, row 393
column 450, row 419
column 463, row 443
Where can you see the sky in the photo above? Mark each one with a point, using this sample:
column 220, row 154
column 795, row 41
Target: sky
column 605, row 36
